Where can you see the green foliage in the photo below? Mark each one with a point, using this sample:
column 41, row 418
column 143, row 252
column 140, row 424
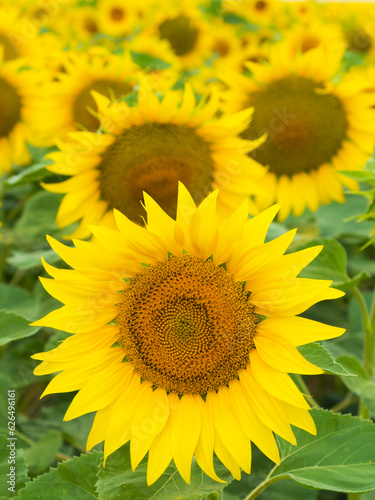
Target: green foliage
column 14, row 327
column 38, row 217
column 362, row 384
column 17, row 300
column 36, row 172
column 117, row 481
column 5, row 464
column 332, row 262
column 340, row 458
column 40, row 455
column 336, row 220
column 319, row 356
column 71, row 480
column 148, row 62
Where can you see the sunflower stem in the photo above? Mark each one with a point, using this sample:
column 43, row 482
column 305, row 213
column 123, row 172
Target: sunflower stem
column 263, row 485
column 354, row 496
column 368, row 320
column 217, row 495
column 305, row 390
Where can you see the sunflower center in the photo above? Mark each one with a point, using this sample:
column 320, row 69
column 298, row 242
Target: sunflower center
column 309, row 43
column 153, row 157
column 90, row 25
column 117, row 14
column 84, row 102
column 186, row 325
column 305, row 128
column 10, row 108
column 261, row 5
column 10, row 50
column 180, row 34
column 222, row 47
column 358, row 40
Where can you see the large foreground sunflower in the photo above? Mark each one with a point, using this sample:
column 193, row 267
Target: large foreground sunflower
column 316, row 126
column 150, row 147
column 184, row 333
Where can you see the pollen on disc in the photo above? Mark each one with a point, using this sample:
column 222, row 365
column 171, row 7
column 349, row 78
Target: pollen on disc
column 186, row 325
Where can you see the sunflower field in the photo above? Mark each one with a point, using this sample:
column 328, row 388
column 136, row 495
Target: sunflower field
column 187, row 301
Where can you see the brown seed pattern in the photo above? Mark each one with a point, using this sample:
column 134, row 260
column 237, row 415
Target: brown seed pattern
column 186, row 325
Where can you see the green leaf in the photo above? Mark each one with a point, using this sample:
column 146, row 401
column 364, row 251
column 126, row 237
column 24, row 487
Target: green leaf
column 6, row 458
column 14, row 327
column 360, row 385
column 340, row 458
column 319, row 356
column 17, row 300
column 5, row 386
column 36, row 172
column 146, row 61
column 360, row 176
column 333, row 220
column 353, row 282
column 15, row 361
column 30, row 260
column 117, row 481
column 39, row 456
column 329, row 264
column 38, row 217
column 287, row 490
column 72, row 480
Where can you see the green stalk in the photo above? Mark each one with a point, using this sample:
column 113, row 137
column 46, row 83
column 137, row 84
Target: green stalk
column 305, row 390
column 368, row 320
column 369, row 342
column 217, row 495
column 263, row 485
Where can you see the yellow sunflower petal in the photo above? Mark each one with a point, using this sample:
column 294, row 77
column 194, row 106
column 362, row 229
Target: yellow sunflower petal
column 283, row 356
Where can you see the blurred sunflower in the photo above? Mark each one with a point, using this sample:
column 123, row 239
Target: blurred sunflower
column 82, row 23
column 116, row 18
column 150, row 148
column 168, row 345
column 307, row 11
column 67, row 103
column 185, row 29
column 316, row 126
column 18, row 90
column 304, row 37
column 152, row 46
column 257, row 12
column 18, row 36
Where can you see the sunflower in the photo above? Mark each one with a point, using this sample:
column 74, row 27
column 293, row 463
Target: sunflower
column 152, row 46
column 184, row 333
column 115, row 17
column 67, row 104
column 316, row 125
column 18, row 90
column 149, row 148
column 356, row 21
column 304, row 37
column 257, row 12
column 82, row 23
column 184, row 27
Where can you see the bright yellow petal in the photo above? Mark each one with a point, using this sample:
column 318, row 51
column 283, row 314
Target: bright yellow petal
column 251, row 425
column 277, row 352
column 226, row 426
column 185, row 430
column 297, row 330
column 276, row 382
